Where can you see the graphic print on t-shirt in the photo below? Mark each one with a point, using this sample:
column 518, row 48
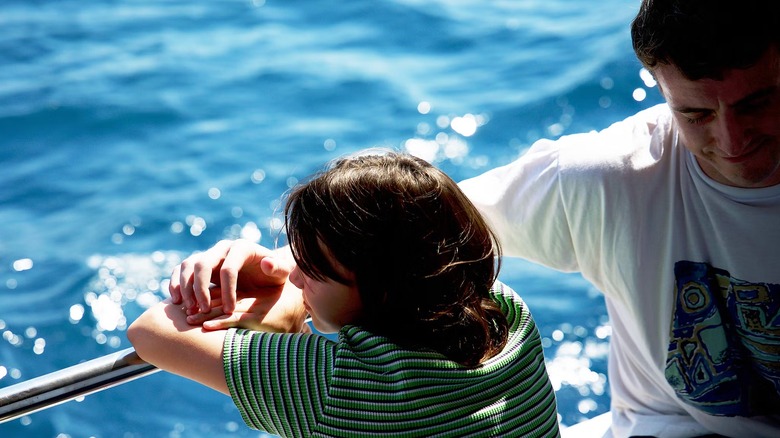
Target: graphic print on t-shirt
column 724, row 346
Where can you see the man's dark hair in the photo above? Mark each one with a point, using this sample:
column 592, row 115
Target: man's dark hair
column 703, row 38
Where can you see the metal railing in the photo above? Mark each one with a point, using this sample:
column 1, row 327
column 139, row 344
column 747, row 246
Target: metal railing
column 69, row 383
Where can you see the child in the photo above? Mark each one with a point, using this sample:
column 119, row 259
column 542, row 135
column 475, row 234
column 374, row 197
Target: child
column 392, row 256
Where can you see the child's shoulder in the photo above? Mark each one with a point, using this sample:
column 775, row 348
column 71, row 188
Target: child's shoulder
column 505, row 295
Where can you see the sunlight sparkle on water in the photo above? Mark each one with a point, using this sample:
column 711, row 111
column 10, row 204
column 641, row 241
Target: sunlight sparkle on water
column 108, row 312
column 587, row 405
column 329, row 144
column 276, row 224
column 639, row 94
column 555, row 129
column 23, row 265
column 647, row 78
column 425, row 149
column 456, row 149
column 197, row 225
column 258, row 176
column 572, row 362
column 39, row 346
column 119, row 280
column 250, row 231
column 450, row 142
column 465, row 126
column 177, row 227
column 423, row 128
column 12, row 338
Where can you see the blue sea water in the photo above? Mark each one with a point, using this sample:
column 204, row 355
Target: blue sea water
column 134, row 132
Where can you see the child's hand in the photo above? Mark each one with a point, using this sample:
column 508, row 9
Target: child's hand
column 271, row 309
column 238, row 265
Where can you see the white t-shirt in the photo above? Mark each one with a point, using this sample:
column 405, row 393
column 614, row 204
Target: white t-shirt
column 630, row 209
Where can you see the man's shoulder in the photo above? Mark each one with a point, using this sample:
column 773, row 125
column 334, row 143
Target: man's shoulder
column 626, row 144
column 634, row 129
column 655, row 112
column 651, row 120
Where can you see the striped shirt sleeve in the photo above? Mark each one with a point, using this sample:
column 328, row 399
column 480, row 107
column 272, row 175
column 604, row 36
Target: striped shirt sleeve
column 278, row 380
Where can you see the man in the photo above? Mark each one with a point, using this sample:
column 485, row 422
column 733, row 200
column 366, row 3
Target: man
column 674, row 214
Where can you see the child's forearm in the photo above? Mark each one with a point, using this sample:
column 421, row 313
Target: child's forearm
column 162, row 337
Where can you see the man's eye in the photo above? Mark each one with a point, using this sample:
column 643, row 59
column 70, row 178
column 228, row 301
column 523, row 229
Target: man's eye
column 695, row 118
column 755, row 105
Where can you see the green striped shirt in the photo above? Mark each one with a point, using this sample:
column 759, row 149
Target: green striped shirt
column 302, row 385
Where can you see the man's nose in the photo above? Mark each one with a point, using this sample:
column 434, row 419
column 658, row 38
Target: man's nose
column 732, row 134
